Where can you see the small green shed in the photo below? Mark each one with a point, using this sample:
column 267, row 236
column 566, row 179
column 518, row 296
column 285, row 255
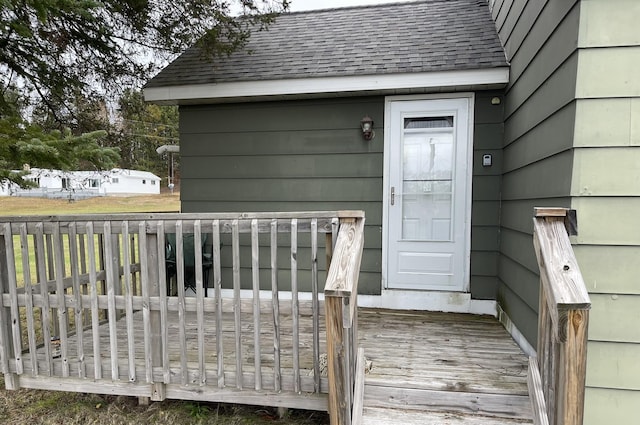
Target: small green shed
column 278, row 126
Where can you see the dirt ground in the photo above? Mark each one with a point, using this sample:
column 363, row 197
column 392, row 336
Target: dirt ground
column 56, row 407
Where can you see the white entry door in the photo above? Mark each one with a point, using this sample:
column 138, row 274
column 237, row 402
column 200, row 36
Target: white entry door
column 428, row 194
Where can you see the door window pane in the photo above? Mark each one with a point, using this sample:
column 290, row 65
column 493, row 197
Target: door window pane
column 427, row 174
column 428, row 156
column 426, row 210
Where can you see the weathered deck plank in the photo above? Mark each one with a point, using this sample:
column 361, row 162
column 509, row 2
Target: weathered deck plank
column 441, row 368
column 382, row 416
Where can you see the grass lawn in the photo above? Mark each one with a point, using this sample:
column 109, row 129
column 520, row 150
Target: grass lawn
column 10, row 205
column 53, row 407
column 18, row 206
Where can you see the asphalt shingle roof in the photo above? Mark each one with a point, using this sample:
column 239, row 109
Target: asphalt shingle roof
column 431, row 35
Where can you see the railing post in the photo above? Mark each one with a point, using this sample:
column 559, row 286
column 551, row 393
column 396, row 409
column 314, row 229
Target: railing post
column 6, row 345
column 340, row 303
column 339, row 408
column 157, row 388
column 156, row 330
column 573, row 368
column 564, row 318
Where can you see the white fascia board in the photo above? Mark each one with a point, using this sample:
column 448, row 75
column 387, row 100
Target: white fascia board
column 302, row 86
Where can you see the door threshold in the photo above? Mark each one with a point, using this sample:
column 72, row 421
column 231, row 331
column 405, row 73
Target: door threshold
column 448, row 302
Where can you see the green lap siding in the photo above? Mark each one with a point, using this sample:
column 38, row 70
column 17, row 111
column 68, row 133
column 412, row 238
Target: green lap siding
column 310, row 155
column 286, row 156
column 485, row 216
column 540, row 39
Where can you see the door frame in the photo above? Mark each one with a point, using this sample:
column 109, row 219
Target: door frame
column 385, row 185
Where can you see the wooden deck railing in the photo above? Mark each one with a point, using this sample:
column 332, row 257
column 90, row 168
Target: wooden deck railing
column 557, row 375
column 84, row 306
column 341, row 293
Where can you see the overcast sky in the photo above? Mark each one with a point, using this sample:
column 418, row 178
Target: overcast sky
column 298, row 5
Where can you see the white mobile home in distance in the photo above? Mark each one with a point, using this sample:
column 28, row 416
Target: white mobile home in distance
column 121, row 181
column 82, row 184
column 49, row 183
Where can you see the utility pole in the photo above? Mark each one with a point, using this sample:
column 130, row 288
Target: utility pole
column 171, row 149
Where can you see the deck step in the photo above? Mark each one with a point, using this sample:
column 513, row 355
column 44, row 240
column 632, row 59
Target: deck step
column 454, row 402
column 388, row 416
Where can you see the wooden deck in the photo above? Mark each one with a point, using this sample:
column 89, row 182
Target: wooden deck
column 426, row 368
column 441, row 368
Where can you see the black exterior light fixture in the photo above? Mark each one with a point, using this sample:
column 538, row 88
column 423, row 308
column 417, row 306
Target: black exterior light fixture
column 366, row 124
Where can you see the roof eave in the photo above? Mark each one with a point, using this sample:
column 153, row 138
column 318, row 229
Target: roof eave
column 313, row 87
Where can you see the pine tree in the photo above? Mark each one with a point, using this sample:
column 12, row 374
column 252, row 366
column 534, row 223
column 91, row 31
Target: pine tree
column 57, row 54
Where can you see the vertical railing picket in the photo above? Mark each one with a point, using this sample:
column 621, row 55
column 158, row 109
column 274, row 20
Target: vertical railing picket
column 45, row 311
column 315, row 305
column 197, row 244
column 110, row 264
column 77, row 297
column 217, row 286
column 164, row 309
column 158, row 390
column 255, row 280
column 28, row 293
column 146, row 301
column 95, row 312
column 277, row 374
column 128, row 300
column 354, row 340
column 237, row 302
column 295, row 314
column 184, row 372
column 60, row 297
